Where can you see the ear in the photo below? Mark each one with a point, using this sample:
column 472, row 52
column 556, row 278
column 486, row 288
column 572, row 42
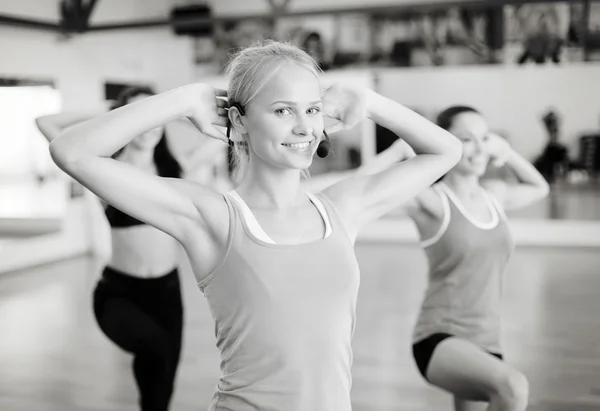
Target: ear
column 237, row 120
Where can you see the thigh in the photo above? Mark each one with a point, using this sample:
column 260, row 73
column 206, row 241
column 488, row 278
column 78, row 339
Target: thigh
column 168, row 310
column 126, row 324
column 466, row 370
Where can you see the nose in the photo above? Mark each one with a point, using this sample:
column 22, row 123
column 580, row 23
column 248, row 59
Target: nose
column 479, row 146
column 303, row 126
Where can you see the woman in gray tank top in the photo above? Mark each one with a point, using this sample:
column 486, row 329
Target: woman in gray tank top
column 276, row 265
column 465, row 235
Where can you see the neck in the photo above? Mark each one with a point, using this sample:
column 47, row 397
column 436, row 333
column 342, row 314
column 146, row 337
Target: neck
column 268, row 187
column 139, row 158
column 463, row 185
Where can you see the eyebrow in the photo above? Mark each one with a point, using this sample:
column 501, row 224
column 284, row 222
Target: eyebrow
column 291, row 103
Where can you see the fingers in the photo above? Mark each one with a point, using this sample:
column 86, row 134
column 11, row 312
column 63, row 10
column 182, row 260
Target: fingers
column 213, row 132
column 221, row 121
column 335, row 128
column 325, row 85
column 220, row 92
column 222, row 112
column 222, row 103
column 500, row 162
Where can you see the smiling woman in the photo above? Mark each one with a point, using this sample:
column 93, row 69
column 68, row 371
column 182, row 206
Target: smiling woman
column 270, row 110
column 239, row 243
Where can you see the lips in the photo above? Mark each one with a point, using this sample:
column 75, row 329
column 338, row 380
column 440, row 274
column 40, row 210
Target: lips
column 298, row 146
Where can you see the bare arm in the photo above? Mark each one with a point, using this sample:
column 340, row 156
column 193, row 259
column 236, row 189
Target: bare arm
column 365, row 198
column 83, row 151
column 398, row 151
column 532, row 186
column 53, row 125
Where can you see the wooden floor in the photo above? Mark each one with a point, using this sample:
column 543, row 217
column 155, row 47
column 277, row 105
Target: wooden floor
column 53, row 357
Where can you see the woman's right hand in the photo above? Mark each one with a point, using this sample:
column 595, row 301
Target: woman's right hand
column 208, row 109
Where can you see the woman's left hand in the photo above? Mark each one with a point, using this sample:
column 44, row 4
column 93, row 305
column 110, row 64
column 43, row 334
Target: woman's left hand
column 499, row 149
column 346, row 104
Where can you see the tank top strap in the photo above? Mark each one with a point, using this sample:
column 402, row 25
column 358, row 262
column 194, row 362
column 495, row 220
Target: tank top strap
column 248, row 218
column 323, row 212
column 230, row 236
column 337, row 224
column 445, row 218
column 492, row 198
column 464, row 212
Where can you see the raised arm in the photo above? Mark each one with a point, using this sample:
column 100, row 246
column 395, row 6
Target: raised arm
column 531, row 187
column 83, row 151
column 53, row 125
column 364, row 198
column 398, row 151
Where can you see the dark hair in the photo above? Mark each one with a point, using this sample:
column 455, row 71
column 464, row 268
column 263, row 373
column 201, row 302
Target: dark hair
column 446, row 117
column 166, row 163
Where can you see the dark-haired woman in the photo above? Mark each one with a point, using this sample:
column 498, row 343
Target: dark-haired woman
column 137, row 301
column 465, row 235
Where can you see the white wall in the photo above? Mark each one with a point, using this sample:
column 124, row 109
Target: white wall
column 512, row 98
column 80, row 66
column 74, row 238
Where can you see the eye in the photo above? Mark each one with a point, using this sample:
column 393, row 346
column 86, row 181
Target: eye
column 314, row 110
column 283, row 111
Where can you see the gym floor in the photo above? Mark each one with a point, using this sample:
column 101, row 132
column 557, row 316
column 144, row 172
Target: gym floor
column 54, row 358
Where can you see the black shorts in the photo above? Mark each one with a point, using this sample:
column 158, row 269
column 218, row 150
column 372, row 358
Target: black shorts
column 423, row 350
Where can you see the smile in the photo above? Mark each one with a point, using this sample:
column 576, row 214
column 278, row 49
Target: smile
column 298, row 146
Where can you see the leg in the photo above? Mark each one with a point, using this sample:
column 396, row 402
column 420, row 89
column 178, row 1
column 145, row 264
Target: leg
column 472, row 374
column 169, row 313
column 174, row 332
column 135, row 331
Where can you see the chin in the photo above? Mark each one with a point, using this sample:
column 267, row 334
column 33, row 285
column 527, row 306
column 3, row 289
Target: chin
column 299, row 161
column 301, row 165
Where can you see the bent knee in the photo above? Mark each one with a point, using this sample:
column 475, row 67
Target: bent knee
column 513, row 388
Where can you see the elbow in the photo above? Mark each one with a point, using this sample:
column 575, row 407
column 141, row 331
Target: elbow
column 57, row 153
column 544, row 189
column 454, row 151
column 63, row 156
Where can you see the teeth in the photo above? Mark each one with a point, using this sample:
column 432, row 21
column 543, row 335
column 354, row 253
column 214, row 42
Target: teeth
column 298, row 146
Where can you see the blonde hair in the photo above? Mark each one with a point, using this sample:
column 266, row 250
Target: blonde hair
column 249, row 70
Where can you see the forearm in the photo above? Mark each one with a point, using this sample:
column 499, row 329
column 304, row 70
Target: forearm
column 104, row 135
column 423, row 136
column 525, row 171
column 53, row 125
column 397, row 152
